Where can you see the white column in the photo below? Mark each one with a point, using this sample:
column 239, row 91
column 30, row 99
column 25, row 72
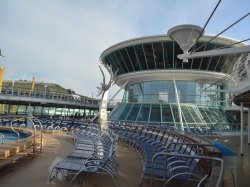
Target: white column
column 248, row 125
column 178, row 105
column 241, row 128
column 103, row 111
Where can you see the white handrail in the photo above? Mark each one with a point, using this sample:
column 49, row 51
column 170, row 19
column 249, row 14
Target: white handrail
column 1, row 134
column 18, row 135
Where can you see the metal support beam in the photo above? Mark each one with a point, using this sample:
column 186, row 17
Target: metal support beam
column 216, row 52
column 241, row 128
column 178, row 105
column 248, row 125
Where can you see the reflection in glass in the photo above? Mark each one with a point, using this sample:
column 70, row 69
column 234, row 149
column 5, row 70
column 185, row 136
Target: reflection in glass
column 143, row 114
column 155, row 115
column 141, row 57
column 150, row 57
column 167, row 114
column 133, row 112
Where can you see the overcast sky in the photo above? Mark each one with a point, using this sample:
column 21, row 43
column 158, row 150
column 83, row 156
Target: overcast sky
column 60, row 41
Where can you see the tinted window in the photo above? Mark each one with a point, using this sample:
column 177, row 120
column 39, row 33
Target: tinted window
column 158, row 54
column 141, row 57
column 133, row 58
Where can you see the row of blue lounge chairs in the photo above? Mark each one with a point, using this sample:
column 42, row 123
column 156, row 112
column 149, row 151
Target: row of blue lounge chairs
column 94, row 153
column 154, row 145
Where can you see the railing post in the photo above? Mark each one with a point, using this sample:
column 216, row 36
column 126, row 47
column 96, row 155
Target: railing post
column 178, row 105
column 248, row 125
column 241, row 128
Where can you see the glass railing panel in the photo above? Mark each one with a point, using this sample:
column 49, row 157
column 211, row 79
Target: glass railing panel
column 143, row 114
column 167, row 114
column 155, row 113
column 187, row 115
column 133, row 112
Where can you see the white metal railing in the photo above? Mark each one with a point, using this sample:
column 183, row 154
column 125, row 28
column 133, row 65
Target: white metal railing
column 6, row 91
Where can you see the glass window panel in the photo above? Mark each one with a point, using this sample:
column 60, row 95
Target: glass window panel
column 167, row 114
column 148, row 49
column 120, row 61
column 58, row 111
column 52, row 111
column 210, row 46
column 45, row 110
column 82, row 112
column 204, row 63
column 228, row 66
column 116, row 111
column 187, row 115
column 64, row 112
column 38, row 110
column 197, row 61
column 21, row 109
column 175, row 113
column 187, row 65
column 133, row 58
column 134, row 112
column 214, row 117
column 168, row 54
column 178, row 63
column 194, row 114
column 158, row 54
column 13, row 109
column 30, row 110
column 206, row 60
column 126, row 59
column 106, row 61
column 141, row 57
column 204, row 115
column 2, row 108
column 155, row 113
column 220, row 63
column 125, row 112
column 144, row 113
column 186, row 91
column 171, row 92
column 155, row 91
column 117, row 63
column 86, row 112
column 213, row 63
column 218, row 115
column 114, row 64
column 230, row 118
column 115, row 56
column 6, row 108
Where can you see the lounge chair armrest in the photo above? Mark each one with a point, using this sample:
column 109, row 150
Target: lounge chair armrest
column 177, row 163
column 179, row 168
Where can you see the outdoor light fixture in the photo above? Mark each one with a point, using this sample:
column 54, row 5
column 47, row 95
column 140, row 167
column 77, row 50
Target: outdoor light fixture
column 186, row 36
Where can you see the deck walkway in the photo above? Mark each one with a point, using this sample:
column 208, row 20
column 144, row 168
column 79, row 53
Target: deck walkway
column 243, row 162
column 34, row 172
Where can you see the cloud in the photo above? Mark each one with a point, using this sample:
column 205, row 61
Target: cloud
column 59, row 44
